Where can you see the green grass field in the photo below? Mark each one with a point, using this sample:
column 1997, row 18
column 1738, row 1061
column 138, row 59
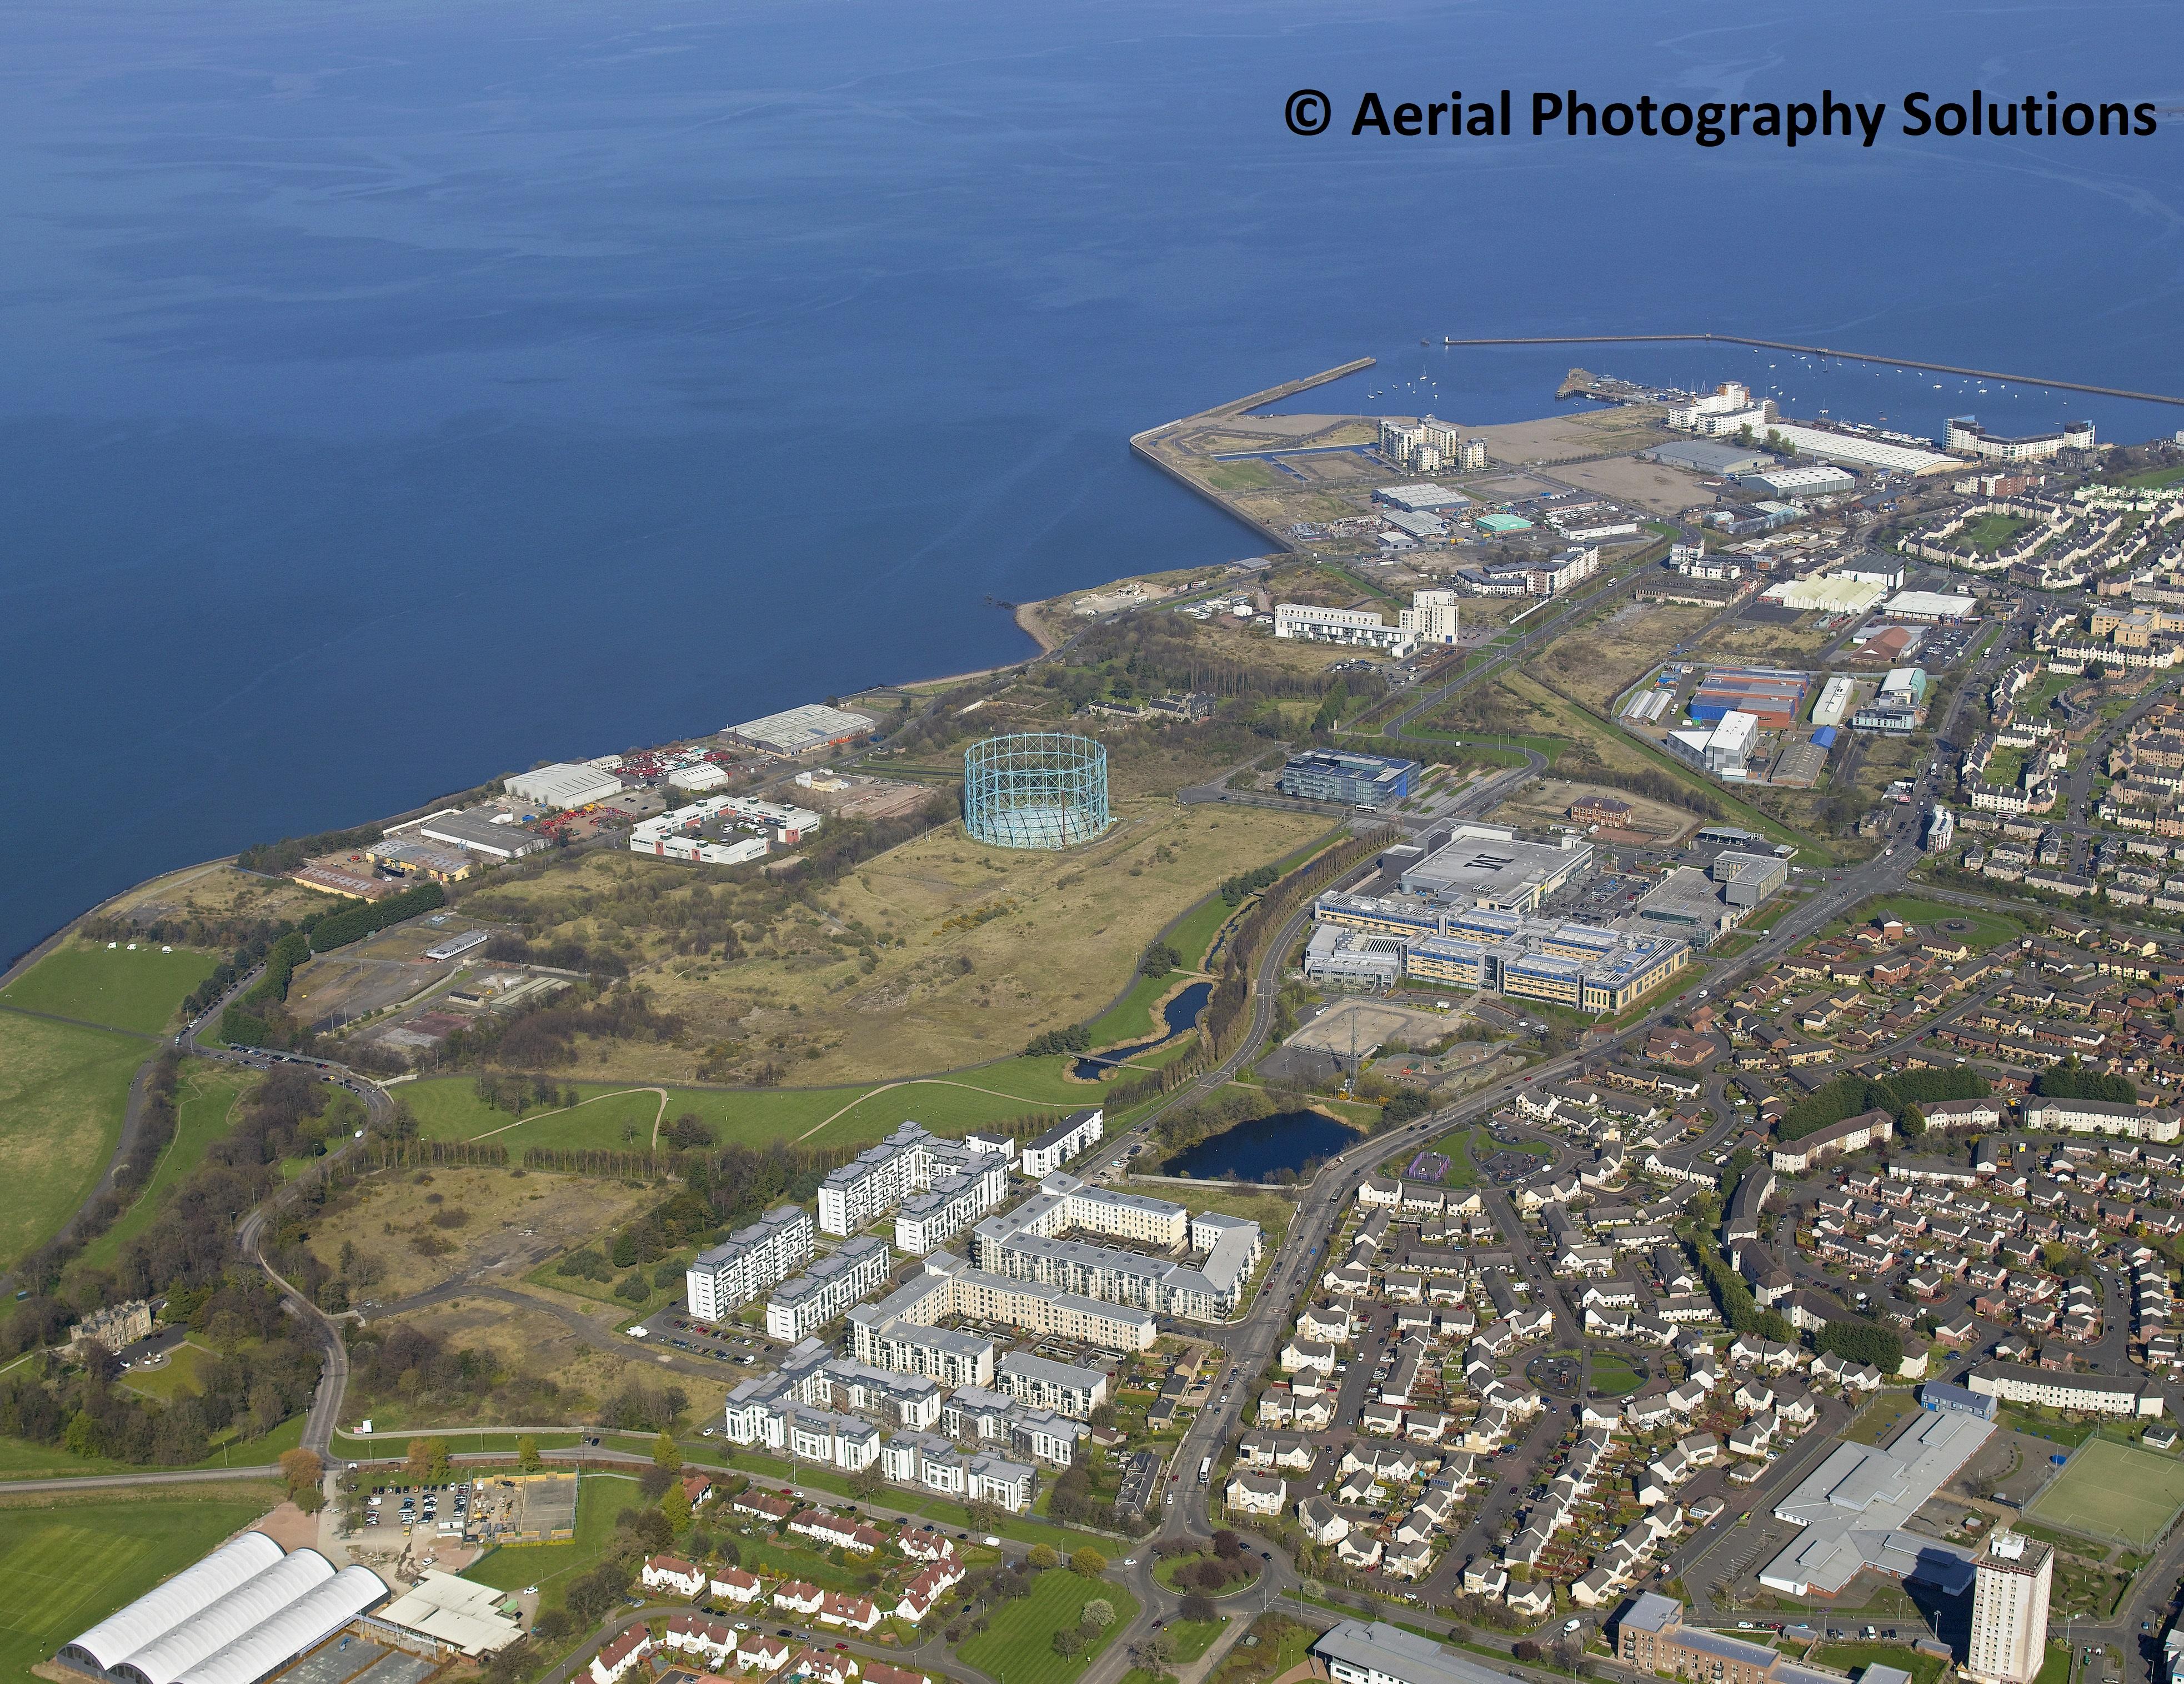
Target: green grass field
column 1924, row 1668
column 1018, row 1644
column 47, row 1595
column 1192, row 1638
column 140, row 990
column 1132, row 1018
column 1194, row 935
column 1988, row 929
column 2113, row 1490
column 63, row 1092
column 1990, row 533
column 1611, row 1376
column 205, row 1099
column 447, row 1108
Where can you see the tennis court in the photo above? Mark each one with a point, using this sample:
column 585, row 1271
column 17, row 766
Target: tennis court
column 2114, row 1491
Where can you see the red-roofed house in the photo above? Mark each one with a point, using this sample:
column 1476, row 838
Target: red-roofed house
column 857, row 1613
column 797, row 1597
column 879, row 1672
column 697, row 1488
column 732, row 1584
column 928, row 1545
column 828, row 1529
column 756, row 1652
column 764, row 1504
column 694, row 1634
column 823, row 1665
column 672, row 1572
column 921, row 1593
column 618, row 1657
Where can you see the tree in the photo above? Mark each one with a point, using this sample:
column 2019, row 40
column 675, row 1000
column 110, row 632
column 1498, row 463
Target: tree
column 676, row 1506
column 436, row 1461
column 1864, row 1341
column 1068, row 1642
column 300, row 1468
column 1159, row 960
column 1198, row 1608
column 527, row 1454
column 309, row 1498
column 1042, row 1556
column 1099, row 1613
column 1227, row 1545
column 664, row 1453
column 1087, row 1562
column 418, row 1463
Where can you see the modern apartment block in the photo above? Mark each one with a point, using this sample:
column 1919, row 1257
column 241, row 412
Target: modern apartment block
column 1361, row 627
column 968, row 1475
column 972, row 1413
column 1019, row 1244
column 949, row 1356
column 800, row 1308
column 720, row 1280
column 1066, row 1388
column 2014, row 1575
column 904, row 1324
column 943, row 1187
column 1079, row 1131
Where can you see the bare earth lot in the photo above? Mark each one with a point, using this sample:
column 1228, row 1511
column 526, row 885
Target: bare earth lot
column 512, row 1223
column 1548, row 803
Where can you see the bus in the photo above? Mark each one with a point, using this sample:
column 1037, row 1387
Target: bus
column 1206, row 1472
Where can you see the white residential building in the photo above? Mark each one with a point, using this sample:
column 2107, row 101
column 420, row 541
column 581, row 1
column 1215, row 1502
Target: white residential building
column 2100, row 1117
column 1363, row 628
column 800, row 1308
column 947, row 1184
column 721, row 1280
column 1079, row 1131
column 1432, row 617
column 2013, row 1577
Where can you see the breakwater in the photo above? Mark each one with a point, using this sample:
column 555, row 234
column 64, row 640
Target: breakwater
column 1141, row 442
column 1816, row 351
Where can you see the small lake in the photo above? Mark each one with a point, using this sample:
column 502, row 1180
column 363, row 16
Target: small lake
column 1179, row 1014
column 1288, row 1139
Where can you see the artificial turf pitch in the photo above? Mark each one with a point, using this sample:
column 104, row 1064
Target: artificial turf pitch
column 2114, row 1491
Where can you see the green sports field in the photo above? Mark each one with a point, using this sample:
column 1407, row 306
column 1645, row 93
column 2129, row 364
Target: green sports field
column 63, row 1092
column 1018, row 1645
column 48, row 1596
column 2114, row 1491
column 139, row 991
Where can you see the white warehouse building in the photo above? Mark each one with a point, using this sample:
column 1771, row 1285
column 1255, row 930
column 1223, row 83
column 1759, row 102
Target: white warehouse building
column 563, row 786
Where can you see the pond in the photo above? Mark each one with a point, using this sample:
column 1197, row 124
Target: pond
column 1179, row 1014
column 1288, row 1139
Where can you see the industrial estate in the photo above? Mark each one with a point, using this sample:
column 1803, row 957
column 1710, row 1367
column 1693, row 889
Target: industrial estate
column 1574, row 1070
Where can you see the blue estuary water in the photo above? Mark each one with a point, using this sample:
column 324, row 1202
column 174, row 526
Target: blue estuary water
column 1288, row 1139
column 1177, row 1015
column 399, row 394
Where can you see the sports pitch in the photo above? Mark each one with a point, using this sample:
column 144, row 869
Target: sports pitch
column 47, row 1595
column 2114, row 1491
